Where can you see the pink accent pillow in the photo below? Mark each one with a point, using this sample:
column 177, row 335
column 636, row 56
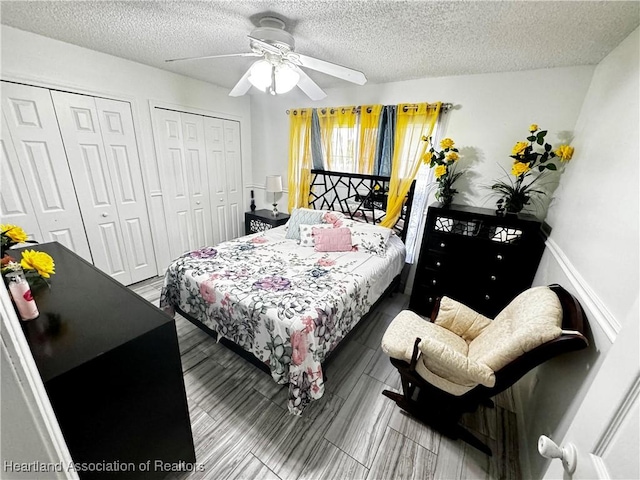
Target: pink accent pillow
column 332, row 239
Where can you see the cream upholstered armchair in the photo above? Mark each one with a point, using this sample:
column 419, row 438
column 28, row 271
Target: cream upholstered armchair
column 460, row 359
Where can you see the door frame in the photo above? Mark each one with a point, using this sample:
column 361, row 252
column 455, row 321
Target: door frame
column 32, row 389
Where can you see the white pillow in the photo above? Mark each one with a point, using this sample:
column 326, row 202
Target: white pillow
column 368, row 238
column 306, row 233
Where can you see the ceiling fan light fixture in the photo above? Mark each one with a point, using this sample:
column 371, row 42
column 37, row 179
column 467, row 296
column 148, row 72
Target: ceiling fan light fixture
column 260, row 75
column 286, row 78
column 263, row 72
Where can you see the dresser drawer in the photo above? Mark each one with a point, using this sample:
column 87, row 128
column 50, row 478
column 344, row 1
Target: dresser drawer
column 423, row 298
column 437, row 262
column 442, row 243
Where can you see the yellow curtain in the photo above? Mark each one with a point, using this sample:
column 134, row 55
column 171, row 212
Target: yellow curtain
column 369, row 122
column 299, row 158
column 338, row 137
column 413, row 123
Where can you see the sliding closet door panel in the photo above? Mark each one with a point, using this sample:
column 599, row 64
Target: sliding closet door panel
column 214, row 134
column 171, row 155
column 197, row 178
column 15, row 204
column 233, row 171
column 31, row 122
column 123, row 162
column 80, row 129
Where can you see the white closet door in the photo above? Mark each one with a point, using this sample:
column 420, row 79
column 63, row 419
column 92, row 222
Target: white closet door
column 225, row 173
column 198, row 179
column 171, row 155
column 31, row 121
column 15, row 204
column 233, row 169
column 118, row 135
column 80, row 128
column 214, row 134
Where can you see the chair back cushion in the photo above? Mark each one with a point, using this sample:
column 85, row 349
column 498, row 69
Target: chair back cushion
column 460, row 319
column 532, row 318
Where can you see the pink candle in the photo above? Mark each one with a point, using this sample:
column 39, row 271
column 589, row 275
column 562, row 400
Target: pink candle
column 22, row 297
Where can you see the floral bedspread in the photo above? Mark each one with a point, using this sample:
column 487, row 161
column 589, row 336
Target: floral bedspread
column 287, row 305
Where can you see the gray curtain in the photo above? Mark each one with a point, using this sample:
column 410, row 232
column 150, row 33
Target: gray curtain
column 316, row 145
column 384, row 150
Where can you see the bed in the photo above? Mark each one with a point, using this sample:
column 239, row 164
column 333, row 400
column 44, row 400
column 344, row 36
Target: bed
column 287, row 305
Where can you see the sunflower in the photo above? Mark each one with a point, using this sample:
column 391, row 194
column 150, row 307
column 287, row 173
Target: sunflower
column 564, row 152
column 440, row 171
column 519, row 168
column 15, row 233
column 446, row 143
column 41, row 262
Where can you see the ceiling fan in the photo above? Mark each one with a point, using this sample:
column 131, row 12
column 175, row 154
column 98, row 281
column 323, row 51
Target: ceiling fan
column 278, row 69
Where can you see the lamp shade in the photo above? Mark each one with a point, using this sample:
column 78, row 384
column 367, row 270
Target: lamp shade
column 260, row 74
column 281, row 76
column 274, row 183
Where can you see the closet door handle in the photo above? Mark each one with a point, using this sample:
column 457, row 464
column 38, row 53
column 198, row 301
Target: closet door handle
column 105, row 215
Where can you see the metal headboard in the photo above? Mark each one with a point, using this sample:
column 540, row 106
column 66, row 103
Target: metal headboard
column 360, row 197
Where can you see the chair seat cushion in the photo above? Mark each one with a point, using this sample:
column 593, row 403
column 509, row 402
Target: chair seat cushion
column 401, row 335
column 456, row 367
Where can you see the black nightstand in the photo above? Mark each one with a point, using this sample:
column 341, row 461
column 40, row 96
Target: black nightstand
column 262, row 220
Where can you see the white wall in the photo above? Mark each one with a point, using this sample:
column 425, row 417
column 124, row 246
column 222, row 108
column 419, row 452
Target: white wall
column 593, row 247
column 37, row 60
column 492, row 112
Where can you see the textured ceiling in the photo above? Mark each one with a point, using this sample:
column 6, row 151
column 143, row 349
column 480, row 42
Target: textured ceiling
column 387, row 40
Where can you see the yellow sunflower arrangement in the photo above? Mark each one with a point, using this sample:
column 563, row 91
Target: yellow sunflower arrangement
column 528, row 164
column 444, row 162
column 37, row 266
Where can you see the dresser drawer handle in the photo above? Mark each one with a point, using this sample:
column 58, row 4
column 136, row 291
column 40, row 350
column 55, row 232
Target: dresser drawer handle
column 498, row 257
column 493, row 278
column 442, row 245
column 487, row 297
column 433, row 282
column 430, row 299
column 438, row 264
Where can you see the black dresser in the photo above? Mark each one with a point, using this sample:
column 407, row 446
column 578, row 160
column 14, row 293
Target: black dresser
column 476, row 257
column 111, row 366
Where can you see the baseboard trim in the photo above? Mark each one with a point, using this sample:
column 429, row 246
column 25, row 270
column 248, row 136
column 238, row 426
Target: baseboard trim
column 601, row 314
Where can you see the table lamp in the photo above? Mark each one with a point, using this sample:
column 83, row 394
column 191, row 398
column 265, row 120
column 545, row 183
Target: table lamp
column 274, row 185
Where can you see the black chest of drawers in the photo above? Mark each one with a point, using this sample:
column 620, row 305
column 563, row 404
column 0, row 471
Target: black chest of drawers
column 110, row 364
column 476, row 257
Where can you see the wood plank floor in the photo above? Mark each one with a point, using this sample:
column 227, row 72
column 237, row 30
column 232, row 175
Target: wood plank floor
column 242, row 429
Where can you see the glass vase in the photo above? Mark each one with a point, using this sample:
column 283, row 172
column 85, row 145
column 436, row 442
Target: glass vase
column 21, row 294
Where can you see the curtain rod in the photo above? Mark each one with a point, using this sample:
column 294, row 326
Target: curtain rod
column 445, row 107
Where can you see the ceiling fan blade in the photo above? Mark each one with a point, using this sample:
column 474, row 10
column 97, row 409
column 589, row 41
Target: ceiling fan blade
column 333, row 69
column 242, row 86
column 265, row 46
column 308, row 86
column 248, row 54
